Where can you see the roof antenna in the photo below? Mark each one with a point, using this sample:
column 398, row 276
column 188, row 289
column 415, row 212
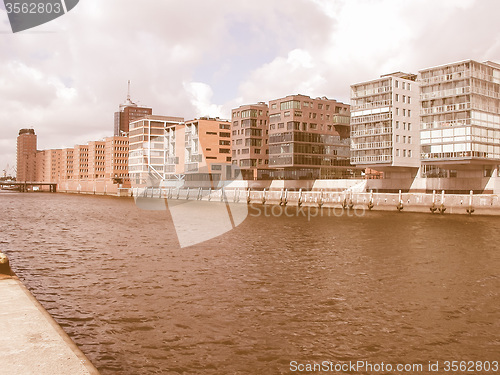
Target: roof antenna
column 128, row 92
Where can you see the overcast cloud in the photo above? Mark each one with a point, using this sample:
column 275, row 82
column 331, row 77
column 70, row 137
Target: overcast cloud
column 193, row 58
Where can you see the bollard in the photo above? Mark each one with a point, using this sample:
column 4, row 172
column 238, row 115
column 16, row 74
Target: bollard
column 370, row 202
column 320, row 201
column 264, row 196
column 433, row 208
column 4, row 265
column 442, row 208
column 400, row 204
column 248, row 196
column 209, row 194
column 299, row 202
column 470, row 210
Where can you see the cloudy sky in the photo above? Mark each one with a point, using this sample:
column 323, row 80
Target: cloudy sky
column 193, row 58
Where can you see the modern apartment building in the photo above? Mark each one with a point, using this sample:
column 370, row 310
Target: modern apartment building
column 207, row 143
column 385, row 123
column 154, row 149
column 249, row 138
column 309, row 138
column 26, row 155
column 460, row 119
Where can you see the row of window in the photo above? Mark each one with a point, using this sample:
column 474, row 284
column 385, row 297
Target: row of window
column 403, row 153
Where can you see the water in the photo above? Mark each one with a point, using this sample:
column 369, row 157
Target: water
column 391, row 287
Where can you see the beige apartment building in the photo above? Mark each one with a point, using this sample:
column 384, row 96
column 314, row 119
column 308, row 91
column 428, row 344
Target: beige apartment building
column 167, row 148
column 249, row 138
column 385, row 124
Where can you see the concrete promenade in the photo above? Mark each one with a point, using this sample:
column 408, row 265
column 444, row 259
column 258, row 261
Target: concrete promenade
column 31, row 342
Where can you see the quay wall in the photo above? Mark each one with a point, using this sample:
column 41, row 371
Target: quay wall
column 32, row 343
column 437, row 202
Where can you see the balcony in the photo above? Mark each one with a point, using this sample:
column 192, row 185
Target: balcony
column 371, row 145
column 374, row 131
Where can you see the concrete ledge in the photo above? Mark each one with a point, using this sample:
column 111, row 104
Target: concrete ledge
column 31, row 342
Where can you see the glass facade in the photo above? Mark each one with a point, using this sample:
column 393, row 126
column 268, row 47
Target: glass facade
column 460, row 112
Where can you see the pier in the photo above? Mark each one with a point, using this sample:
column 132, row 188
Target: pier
column 24, row 187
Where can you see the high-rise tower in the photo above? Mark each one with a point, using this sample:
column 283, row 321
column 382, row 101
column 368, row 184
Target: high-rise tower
column 129, row 111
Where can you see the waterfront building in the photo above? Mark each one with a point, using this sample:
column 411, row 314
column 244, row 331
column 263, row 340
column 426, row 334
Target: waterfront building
column 385, row 124
column 67, row 158
column 309, row 138
column 249, row 138
column 207, row 145
column 26, row 155
column 460, row 119
column 116, row 159
column 128, row 112
column 96, row 160
column 53, row 171
column 81, row 162
column 154, row 144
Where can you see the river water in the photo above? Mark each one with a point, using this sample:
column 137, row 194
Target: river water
column 381, row 287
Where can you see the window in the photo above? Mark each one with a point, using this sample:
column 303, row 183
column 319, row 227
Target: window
column 409, row 100
column 397, row 111
column 224, row 143
column 397, row 138
column 409, row 113
column 397, row 124
column 257, row 150
column 404, row 125
column 396, row 83
column 273, row 106
column 403, row 86
column 320, row 106
column 408, row 86
column 409, row 153
column 404, row 138
column 404, row 98
column 397, row 97
column 404, row 153
column 397, row 152
column 409, row 139
column 313, row 126
column 224, row 151
column 225, row 126
column 226, row 135
column 404, row 112
column 409, row 126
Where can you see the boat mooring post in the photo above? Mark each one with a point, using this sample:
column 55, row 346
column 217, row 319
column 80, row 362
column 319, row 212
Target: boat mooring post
column 400, row 203
column 470, row 210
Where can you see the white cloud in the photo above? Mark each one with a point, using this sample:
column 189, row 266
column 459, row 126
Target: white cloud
column 201, row 98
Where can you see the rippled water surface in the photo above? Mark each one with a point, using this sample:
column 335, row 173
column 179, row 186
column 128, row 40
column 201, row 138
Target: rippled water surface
column 400, row 288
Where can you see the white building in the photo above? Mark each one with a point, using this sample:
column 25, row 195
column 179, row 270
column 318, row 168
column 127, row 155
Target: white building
column 460, row 119
column 384, row 123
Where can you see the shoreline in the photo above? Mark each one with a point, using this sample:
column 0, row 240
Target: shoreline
column 32, row 341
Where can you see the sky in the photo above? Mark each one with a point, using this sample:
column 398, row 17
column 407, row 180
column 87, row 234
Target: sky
column 66, row 78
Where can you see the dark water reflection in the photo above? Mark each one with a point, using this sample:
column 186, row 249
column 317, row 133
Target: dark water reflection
column 400, row 288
